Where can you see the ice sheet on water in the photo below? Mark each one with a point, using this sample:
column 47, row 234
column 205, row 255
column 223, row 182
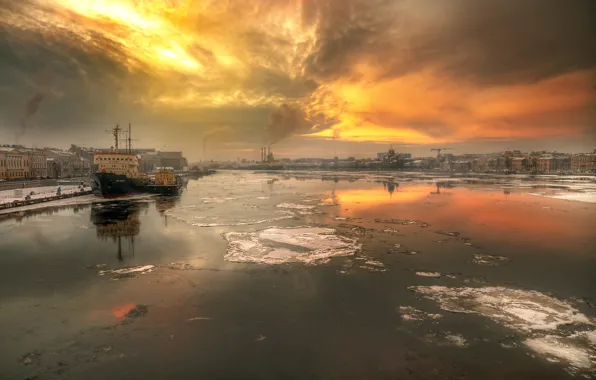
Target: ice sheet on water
column 409, row 313
column 429, row 274
column 486, row 259
column 226, row 220
column 308, row 245
column 522, row 310
column 557, row 349
column 127, row 272
column 538, row 316
column 295, row 206
column 587, row 197
column 216, row 200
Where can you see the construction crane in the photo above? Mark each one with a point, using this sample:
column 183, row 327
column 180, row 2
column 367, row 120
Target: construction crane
column 439, row 151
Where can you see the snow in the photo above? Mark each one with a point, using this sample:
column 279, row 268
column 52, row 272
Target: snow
column 7, row 196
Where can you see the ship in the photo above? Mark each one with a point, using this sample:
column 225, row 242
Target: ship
column 117, row 173
column 165, row 182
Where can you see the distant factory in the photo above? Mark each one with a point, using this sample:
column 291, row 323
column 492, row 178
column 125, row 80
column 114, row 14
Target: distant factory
column 266, row 155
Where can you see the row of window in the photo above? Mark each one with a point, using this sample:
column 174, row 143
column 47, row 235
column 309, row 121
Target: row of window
column 114, row 159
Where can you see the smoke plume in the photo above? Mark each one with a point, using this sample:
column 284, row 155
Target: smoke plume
column 283, row 122
column 43, row 83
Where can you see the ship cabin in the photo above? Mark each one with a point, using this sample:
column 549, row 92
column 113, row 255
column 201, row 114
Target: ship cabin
column 165, row 176
column 117, row 163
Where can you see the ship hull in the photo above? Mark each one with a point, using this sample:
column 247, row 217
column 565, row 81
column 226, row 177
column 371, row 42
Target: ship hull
column 164, row 189
column 110, row 185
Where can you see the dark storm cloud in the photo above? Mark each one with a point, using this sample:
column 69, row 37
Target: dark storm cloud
column 486, row 41
column 278, row 83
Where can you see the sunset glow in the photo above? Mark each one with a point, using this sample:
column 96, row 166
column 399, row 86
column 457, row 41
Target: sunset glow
column 393, row 82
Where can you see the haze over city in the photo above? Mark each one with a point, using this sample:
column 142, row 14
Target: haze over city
column 218, row 79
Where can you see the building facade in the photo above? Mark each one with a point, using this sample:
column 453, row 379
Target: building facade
column 172, row 160
column 3, row 167
column 583, row 162
column 37, row 163
column 17, row 164
column 148, row 162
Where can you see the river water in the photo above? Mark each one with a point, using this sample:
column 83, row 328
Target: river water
column 306, row 275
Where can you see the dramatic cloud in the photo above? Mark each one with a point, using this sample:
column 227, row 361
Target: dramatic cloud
column 403, row 71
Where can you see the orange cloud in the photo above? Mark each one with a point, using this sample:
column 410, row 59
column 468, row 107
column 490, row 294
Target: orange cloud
column 425, row 108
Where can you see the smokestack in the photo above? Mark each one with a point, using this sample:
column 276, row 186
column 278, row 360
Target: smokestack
column 262, row 154
column 268, row 152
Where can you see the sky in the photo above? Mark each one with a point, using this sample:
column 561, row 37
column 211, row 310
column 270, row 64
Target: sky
column 218, row 79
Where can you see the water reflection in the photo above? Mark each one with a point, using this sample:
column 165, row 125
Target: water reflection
column 117, row 220
column 478, row 212
column 441, row 185
column 164, row 204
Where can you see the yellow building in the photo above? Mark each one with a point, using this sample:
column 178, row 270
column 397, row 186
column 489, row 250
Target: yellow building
column 3, row 167
column 15, row 163
column 117, row 163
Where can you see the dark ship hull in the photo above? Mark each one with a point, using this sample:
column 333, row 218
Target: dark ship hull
column 164, row 189
column 110, row 185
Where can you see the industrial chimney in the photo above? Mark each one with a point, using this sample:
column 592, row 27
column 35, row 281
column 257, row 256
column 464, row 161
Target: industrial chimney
column 268, row 152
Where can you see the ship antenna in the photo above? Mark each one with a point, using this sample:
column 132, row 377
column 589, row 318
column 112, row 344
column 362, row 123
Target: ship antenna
column 129, row 139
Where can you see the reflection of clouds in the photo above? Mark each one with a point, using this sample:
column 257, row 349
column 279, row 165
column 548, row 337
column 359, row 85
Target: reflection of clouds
column 376, row 196
column 478, row 212
column 120, row 311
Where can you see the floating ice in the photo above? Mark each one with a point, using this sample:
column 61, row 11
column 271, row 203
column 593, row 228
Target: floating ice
column 295, row 206
column 446, row 339
column 216, row 200
column 577, row 197
column 409, row 313
column 428, row 274
column 374, row 263
column 557, row 349
column 124, row 272
column 527, row 312
column 522, row 310
column 307, row 245
column 486, row 259
column 457, row 340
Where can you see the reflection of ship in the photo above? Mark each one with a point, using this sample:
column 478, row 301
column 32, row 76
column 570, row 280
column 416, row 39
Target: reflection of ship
column 163, row 204
column 117, row 173
column 441, row 185
column 116, row 220
column 165, row 182
column 390, row 186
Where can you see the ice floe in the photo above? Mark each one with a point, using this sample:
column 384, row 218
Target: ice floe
column 429, row 274
column 557, row 349
column 217, row 200
column 308, row 245
column 127, row 272
column 409, row 313
column 295, row 206
column 547, row 322
column 486, row 259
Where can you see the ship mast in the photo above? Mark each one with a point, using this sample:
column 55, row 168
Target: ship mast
column 116, row 132
column 129, row 139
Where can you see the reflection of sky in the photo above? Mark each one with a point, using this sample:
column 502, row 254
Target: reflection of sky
column 479, row 213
